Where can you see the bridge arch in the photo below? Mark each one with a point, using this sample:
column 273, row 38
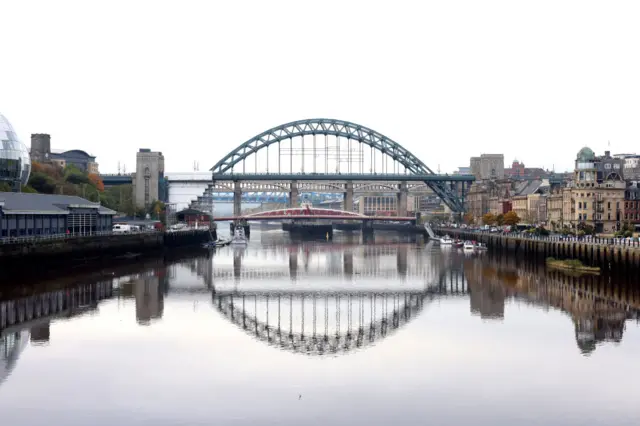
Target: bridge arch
column 323, row 126
column 403, row 308
column 379, row 146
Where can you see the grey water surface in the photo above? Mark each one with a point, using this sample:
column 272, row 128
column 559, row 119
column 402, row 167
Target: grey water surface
column 330, row 333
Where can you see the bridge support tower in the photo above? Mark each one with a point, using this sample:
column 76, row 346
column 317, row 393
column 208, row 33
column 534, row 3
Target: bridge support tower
column 348, row 197
column 367, row 231
column 237, row 199
column 403, row 197
column 293, row 194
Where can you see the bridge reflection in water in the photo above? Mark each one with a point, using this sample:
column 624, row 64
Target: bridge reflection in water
column 326, row 299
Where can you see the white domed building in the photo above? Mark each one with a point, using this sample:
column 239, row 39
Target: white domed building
column 15, row 163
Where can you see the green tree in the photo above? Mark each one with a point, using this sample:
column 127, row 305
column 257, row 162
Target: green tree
column 42, row 183
column 5, row 187
column 500, row 219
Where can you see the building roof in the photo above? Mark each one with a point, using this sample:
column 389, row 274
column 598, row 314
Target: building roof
column 586, row 154
column 527, row 187
column 24, row 203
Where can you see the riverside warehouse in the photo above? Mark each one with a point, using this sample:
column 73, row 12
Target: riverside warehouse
column 25, row 214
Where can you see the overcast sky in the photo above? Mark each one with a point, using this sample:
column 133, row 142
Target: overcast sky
column 446, row 79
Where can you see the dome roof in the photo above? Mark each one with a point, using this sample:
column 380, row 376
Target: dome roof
column 15, row 162
column 586, row 154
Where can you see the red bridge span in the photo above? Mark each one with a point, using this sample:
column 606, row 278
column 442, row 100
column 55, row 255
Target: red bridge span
column 312, row 213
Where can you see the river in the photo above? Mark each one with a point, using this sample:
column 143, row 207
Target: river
column 323, row 333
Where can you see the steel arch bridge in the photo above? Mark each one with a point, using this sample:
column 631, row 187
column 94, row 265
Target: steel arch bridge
column 350, row 162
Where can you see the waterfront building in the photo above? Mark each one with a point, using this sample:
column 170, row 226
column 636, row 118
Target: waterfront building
column 149, row 184
column 631, row 165
column 15, row 163
column 554, row 209
column 597, row 192
column 384, row 205
column 632, row 203
column 24, row 215
column 41, row 152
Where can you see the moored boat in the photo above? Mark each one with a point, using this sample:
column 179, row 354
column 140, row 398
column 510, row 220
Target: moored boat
column 446, row 241
column 239, row 237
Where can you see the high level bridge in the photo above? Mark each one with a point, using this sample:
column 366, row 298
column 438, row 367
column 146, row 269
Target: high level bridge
column 329, row 156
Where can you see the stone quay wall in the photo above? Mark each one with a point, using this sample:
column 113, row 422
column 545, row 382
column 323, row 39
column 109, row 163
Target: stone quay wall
column 608, row 254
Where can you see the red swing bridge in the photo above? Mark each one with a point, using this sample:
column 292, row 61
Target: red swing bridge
column 313, row 213
column 319, row 222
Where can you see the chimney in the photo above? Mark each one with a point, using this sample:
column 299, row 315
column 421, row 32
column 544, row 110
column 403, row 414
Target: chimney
column 607, row 154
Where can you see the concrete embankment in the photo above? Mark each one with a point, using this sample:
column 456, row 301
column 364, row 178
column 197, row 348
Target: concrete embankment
column 616, row 258
column 43, row 251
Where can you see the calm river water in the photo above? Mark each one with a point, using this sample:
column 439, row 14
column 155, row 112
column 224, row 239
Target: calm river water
column 283, row 333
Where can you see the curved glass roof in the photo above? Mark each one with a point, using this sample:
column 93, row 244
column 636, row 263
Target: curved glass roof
column 15, row 162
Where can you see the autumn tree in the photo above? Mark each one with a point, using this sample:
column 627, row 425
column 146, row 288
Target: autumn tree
column 500, row 219
column 511, row 218
column 468, row 219
column 96, row 181
column 489, row 219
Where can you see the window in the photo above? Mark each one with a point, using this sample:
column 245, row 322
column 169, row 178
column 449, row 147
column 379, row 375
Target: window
column 579, row 205
column 609, row 204
column 585, row 204
column 607, row 165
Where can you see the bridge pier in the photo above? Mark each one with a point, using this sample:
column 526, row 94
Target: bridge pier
column 403, row 196
column 237, row 199
column 348, row 196
column 367, row 231
column 293, row 194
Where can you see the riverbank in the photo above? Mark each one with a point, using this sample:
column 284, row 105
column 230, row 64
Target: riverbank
column 610, row 258
column 71, row 251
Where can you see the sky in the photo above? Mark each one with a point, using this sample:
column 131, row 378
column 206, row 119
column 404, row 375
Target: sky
column 448, row 80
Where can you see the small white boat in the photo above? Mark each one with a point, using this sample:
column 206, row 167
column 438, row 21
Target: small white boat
column 446, row 241
column 481, row 247
column 468, row 245
column 238, row 236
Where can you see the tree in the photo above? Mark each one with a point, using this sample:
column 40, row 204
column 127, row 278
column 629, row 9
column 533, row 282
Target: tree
column 42, row 183
column 96, row 181
column 489, row 219
column 511, row 218
column 469, row 219
column 5, row 187
column 500, row 219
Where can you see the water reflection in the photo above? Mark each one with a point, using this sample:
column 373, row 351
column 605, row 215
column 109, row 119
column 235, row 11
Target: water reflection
column 376, row 326
column 328, row 299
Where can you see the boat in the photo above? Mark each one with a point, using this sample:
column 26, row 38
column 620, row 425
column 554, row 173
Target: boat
column 468, row 245
column 217, row 243
column 238, row 236
column 458, row 244
column 446, row 241
column 481, row 247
